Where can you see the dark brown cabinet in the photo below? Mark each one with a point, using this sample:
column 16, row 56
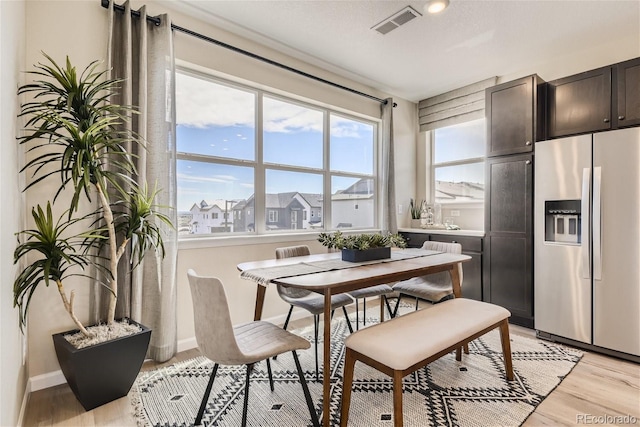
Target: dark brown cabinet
column 580, row 103
column 515, row 112
column 627, row 93
column 508, row 245
column 471, row 270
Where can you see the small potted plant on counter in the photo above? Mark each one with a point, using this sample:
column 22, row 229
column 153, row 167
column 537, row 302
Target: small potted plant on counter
column 362, row 247
column 415, row 210
column 73, row 133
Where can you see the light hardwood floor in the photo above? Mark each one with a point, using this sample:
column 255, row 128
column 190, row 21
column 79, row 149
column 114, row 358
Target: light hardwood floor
column 598, row 386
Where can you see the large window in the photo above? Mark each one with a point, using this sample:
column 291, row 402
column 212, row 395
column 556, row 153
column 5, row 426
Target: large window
column 253, row 162
column 458, row 163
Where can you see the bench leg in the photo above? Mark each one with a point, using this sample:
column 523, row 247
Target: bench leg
column 506, row 349
column 397, row 399
column 349, row 363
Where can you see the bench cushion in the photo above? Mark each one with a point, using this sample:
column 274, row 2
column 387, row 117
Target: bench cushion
column 406, row 340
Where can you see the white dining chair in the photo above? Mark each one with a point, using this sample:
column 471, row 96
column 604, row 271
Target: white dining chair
column 244, row 344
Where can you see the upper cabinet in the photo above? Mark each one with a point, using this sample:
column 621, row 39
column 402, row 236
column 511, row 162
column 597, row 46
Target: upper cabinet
column 514, row 116
column 580, row 103
column 597, row 100
column 627, row 93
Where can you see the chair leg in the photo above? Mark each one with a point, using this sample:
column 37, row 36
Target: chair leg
column 316, row 321
column 246, row 396
column 349, row 363
column 416, row 303
column 391, row 312
column 205, row 398
column 346, row 316
column 357, row 315
column 364, row 312
column 286, row 323
column 270, row 374
column 305, row 389
column 395, row 311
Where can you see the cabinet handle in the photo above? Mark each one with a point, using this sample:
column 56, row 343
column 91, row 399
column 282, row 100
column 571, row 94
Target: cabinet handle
column 620, row 117
column 528, row 162
column 606, row 120
column 527, row 143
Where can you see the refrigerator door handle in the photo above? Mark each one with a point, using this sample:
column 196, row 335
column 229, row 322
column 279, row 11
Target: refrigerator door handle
column 584, row 248
column 597, row 223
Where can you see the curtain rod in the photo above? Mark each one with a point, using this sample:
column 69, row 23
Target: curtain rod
column 156, row 21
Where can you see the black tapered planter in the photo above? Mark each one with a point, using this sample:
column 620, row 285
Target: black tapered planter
column 104, row 372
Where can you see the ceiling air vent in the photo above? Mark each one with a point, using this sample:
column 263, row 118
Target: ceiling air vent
column 397, row 19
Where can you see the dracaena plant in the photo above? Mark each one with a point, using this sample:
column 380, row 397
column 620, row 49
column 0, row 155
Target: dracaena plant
column 73, row 132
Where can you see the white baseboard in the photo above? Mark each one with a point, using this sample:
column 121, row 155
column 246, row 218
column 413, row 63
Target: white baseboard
column 50, row 379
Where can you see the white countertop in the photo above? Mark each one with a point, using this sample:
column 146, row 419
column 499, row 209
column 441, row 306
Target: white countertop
column 472, row 233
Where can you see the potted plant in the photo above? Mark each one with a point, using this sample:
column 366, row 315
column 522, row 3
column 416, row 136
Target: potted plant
column 74, row 133
column 362, row 247
column 416, row 211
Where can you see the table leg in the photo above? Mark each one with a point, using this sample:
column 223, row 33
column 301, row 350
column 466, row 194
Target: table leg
column 257, row 315
column 326, row 361
column 381, row 308
column 455, row 281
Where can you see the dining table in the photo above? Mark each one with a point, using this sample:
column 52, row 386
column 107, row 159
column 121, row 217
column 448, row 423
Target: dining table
column 328, row 275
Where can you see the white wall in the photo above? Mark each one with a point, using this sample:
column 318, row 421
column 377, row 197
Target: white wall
column 84, row 40
column 13, row 374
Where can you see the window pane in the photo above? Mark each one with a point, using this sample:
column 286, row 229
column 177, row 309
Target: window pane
column 352, row 202
column 351, row 145
column 462, row 183
column 292, row 134
column 288, row 196
column 214, row 198
column 459, row 142
column 214, row 119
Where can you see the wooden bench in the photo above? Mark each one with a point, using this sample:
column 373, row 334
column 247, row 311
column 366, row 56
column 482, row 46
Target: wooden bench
column 407, row 343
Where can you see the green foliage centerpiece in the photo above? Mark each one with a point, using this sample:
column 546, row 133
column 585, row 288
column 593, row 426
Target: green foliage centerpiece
column 362, row 247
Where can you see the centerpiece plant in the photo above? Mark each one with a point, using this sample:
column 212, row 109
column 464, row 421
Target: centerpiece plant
column 362, row 247
column 364, row 241
column 75, row 134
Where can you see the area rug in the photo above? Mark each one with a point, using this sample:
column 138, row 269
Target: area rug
column 473, row 392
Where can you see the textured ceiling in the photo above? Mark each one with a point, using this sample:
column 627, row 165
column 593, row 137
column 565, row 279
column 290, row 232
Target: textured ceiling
column 470, row 41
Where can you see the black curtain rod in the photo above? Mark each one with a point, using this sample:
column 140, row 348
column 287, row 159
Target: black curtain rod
column 156, row 21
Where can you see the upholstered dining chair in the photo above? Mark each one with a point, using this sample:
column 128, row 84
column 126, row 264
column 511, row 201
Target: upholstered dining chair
column 244, row 344
column 308, row 300
column 433, row 288
column 372, row 291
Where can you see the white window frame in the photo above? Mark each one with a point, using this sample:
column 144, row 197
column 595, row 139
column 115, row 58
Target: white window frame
column 260, row 167
column 434, row 166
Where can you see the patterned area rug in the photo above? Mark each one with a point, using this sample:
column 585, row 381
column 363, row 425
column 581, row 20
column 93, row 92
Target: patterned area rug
column 473, row 392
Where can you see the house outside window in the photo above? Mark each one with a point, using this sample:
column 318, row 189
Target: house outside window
column 263, row 156
column 458, row 165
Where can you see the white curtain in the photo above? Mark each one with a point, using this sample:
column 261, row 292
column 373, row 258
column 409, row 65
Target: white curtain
column 389, row 222
column 140, row 53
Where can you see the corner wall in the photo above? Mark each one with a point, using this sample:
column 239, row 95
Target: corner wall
column 13, row 373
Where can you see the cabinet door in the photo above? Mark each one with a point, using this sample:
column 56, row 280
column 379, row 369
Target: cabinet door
column 627, row 91
column 580, row 103
column 510, row 276
column 509, row 195
column 510, row 117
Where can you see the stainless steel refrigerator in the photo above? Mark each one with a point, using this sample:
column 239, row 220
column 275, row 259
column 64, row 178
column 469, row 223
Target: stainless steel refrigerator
column 587, row 241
